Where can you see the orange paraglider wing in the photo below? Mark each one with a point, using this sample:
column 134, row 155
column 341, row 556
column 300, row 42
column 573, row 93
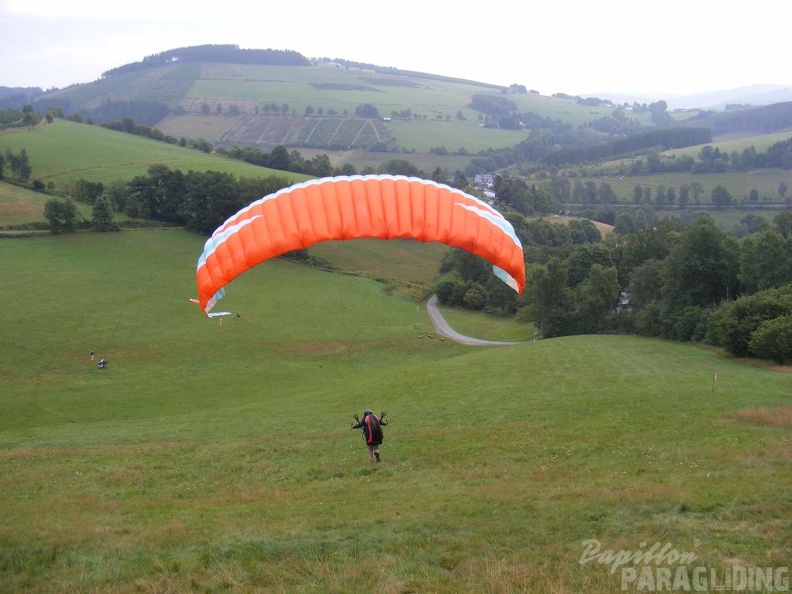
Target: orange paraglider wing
column 355, row 207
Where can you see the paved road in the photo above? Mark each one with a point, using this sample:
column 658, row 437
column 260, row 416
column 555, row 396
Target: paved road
column 443, row 328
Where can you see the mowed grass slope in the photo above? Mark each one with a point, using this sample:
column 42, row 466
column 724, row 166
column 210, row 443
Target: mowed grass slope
column 217, row 456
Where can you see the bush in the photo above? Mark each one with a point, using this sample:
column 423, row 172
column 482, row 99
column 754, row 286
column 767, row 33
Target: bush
column 450, row 290
column 732, row 324
column 475, row 296
column 772, row 340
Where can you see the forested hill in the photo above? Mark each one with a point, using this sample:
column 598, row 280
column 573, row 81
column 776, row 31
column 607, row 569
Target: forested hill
column 765, row 119
column 228, row 54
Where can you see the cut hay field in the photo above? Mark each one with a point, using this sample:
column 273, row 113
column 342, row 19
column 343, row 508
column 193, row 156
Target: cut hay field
column 217, row 457
column 603, row 228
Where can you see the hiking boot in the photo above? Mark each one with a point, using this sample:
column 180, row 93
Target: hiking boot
column 377, row 455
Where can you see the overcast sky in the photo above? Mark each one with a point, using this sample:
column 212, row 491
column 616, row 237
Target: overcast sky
column 650, row 48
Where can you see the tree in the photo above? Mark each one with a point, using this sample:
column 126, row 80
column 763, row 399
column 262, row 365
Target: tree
column 684, row 195
column 366, row 110
column 765, row 261
column 320, row 166
column 786, row 158
column 158, row 193
column 646, row 282
column 660, row 196
column 134, row 206
column 469, row 267
column 595, row 297
column 19, row 164
column 551, row 298
column 279, row 158
column 625, row 223
column 399, row 167
column 772, row 340
column 783, row 222
column 606, row 194
column 702, row 269
column 697, row 189
column 500, row 296
column 102, row 215
column 86, row 191
column 117, row 191
column 450, row 289
column 637, row 194
column 30, row 118
column 582, row 257
column 721, row 197
column 475, row 296
column 542, row 197
column 61, row 215
column 659, row 114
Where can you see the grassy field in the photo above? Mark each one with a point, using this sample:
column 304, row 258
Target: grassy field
column 424, row 136
column 729, row 145
column 65, row 151
column 405, row 259
column 217, row 457
column 738, row 183
column 20, row 206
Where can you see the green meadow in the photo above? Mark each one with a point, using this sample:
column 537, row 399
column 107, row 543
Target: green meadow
column 20, row 206
column 215, row 455
column 738, row 183
column 65, row 151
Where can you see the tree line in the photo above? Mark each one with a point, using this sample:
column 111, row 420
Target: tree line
column 551, row 142
column 664, row 279
column 661, row 139
column 198, row 200
column 225, row 53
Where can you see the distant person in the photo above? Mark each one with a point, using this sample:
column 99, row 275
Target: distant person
column 102, row 363
column 372, row 432
column 92, row 355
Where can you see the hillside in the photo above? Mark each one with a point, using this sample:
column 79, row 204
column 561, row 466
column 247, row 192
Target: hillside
column 416, row 116
column 363, row 115
column 64, row 151
column 218, row 457
column 365, row 118
column 218, row 101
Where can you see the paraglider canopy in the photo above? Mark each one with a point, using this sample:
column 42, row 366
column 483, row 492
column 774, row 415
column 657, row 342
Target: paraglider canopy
column 356, row 207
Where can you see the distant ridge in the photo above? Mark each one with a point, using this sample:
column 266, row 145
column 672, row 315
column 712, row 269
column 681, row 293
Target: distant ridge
column 750, row 96
column 227, row 53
